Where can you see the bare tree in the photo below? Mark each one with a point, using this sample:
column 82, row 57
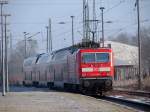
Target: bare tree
column 145, row 35
column 122, row 37
column 17, row 57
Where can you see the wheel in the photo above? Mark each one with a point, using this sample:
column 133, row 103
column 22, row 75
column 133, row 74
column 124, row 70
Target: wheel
column 24, row 84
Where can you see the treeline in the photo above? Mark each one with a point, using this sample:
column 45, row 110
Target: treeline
column 16, row 58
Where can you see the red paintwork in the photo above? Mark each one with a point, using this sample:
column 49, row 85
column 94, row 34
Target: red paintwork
column 96, row 66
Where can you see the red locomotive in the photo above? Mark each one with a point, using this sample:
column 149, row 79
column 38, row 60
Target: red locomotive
column 86, row 69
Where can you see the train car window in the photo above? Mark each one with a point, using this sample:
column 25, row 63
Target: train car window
column 102, row 57
column 43, row 59
column 34, row 60
column 61, row 55
column 88, row 57
column 49, row 58
column 38, row 57
column 52, row 55
column 28, row 62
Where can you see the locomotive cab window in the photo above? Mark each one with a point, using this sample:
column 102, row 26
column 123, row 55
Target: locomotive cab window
column 102, row 57
column 95, row 57
column 88, row 57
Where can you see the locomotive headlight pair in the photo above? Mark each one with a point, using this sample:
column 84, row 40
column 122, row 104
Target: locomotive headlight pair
column 101, row 69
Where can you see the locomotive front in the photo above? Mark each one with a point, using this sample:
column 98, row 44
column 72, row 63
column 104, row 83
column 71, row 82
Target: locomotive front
column 96, row 69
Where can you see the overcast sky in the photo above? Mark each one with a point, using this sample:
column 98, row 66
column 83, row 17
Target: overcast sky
column 32, row 16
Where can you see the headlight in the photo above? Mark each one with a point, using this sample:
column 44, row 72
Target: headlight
column 87, row 69
column 104, row 69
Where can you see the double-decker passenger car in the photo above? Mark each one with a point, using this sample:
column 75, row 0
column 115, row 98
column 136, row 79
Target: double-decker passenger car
column 87, row 69
column 28, row 69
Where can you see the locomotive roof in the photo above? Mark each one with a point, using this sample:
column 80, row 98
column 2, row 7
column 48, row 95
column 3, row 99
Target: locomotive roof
column 83, row 45
column 71, row 49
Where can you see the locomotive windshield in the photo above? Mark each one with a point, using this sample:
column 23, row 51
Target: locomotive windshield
column 88, row 57
column 102, row 57
column 95, row 57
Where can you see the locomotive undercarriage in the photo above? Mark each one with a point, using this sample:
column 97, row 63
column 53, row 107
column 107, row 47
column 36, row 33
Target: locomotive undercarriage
column 96, row 85
column 86, row 85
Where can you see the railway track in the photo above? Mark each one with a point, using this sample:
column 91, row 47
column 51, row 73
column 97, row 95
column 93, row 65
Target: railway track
column 129, row 92
column 128, row 103
column 132, row 103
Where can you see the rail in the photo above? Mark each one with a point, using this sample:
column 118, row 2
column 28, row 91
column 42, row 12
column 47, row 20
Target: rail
column 130, row 92
column 129, row 103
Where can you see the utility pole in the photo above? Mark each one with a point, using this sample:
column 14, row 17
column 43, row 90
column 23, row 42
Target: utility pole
column 6, row 53
column 83, row 19
column 139, row 44
column 94, row 21
column 2, row 49
column 47, row 39
column 102, row 8
column 72, row 17
column 11, row 42
column 87, row 22
column 50, row 36
column 25, row 41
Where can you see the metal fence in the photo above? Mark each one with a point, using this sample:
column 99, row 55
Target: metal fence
column 125, row 73
column 127, row 77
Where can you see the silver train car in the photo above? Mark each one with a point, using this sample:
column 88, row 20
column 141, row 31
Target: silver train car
column 36, row 70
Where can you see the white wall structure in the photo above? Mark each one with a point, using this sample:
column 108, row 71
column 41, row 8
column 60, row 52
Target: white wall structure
column 124, row 53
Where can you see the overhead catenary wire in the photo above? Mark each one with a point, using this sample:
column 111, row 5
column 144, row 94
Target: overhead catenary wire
column 39, row 22
column 127, row 26
column 107, row 10
column 118, row 21
column 68, row 31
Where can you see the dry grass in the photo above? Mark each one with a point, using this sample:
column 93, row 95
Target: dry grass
column 129, row 84
column 146, row 83
column 132, row 84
